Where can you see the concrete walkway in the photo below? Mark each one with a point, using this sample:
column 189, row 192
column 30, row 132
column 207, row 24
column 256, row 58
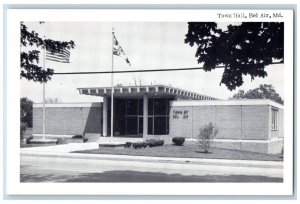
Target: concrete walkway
column 63, row 148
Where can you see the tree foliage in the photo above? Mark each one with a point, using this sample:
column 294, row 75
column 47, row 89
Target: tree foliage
column 26, row 111
column 244, row 49
column 264, row 91
column 30, row 69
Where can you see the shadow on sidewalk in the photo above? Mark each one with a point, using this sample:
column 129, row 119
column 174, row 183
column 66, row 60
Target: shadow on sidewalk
column 137, row 176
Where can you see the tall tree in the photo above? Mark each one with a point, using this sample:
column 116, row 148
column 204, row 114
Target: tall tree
column 30, row 58
column 26, row 111
column 264, row 91
column 244, row 49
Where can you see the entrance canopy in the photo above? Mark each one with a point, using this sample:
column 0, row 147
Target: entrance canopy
column 152, row 91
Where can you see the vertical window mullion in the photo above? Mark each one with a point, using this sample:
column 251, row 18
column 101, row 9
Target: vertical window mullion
column 276, row 120
column 273, row 119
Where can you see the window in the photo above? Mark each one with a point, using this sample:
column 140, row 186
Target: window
column 160, row 107
column 132, row 125
column 158, row 116
column 128, row 116
column 132, row 107
column 274, row 119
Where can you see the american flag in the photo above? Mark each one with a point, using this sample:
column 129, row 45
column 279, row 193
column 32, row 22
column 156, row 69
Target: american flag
column 118, row 50
column 63, row 56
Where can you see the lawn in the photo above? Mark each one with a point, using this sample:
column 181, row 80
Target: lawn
column 186, row 151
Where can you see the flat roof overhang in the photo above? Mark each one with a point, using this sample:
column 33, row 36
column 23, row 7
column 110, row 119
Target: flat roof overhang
column 152, row 91
column 231, row 102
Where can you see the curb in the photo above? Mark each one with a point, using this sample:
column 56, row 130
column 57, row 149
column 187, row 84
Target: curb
column 190, row 161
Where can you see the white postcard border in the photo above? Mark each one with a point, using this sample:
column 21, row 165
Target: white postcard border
column 14, row 187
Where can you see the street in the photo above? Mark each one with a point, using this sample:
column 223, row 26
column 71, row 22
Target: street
column 58, row 169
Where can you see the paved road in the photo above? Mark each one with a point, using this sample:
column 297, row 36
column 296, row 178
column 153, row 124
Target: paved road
column 49, row 169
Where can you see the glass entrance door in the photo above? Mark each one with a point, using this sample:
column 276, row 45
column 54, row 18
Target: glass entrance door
column 140, row 125
column 132, row 125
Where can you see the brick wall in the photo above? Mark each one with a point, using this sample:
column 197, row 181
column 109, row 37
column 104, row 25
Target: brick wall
column 180, row 126
column 233, row 122
column 228, row 121
column 242, row 127
column 68, row 120
column 255, row 120
column 281, row 123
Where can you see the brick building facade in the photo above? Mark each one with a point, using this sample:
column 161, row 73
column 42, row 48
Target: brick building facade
column 165, row 112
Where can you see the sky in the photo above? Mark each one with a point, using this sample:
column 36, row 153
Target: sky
column 157, row 45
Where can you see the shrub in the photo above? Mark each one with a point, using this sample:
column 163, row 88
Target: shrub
column 22, row 129
column 61, row 141
column 207, row 134
column 77, row 137
column 127, row 144
column 135, row 145
column 160, row 142
column 144, row 144
column 85, row 140
column 152, row 143
column 147, row 143
column 141, row 144
column 178, row 141
column 27, row 140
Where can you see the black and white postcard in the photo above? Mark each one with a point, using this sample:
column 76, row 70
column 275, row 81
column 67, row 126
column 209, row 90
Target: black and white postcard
column 149, row 102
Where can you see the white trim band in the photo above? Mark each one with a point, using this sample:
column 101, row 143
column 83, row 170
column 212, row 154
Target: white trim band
column 227, row 102
column 67, row 105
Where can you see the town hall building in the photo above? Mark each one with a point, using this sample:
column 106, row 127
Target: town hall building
column 163, row 112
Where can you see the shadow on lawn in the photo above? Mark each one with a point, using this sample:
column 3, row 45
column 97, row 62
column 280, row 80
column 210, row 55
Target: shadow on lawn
column 137, row 176
column 202, row 152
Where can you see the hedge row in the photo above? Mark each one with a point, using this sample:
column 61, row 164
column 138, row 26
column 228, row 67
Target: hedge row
column 147, row 143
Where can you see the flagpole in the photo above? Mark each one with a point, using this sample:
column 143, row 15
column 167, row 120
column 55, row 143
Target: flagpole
column 112, row 88
column 44, row 67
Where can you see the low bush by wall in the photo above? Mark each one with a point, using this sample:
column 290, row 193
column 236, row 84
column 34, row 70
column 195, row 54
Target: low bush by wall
column 178, row 141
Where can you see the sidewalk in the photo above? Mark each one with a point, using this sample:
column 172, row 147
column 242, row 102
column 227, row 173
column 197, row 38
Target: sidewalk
column 63, row 148
column 64, row 151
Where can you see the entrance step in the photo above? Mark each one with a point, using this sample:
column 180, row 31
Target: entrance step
column 43, row 141
column 51, row 136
